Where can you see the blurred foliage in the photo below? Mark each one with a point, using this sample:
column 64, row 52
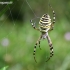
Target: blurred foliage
column 4, row 68
column 17, row 41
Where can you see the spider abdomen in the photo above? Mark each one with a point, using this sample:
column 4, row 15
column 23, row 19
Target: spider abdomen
column 45, row 23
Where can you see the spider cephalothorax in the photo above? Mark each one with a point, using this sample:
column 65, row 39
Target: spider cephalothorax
column 45, row 25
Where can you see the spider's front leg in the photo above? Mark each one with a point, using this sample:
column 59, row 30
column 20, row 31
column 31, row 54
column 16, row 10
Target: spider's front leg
column 53, row 14
column 33, row 25
column 52, row 26
column 51, row 47
column 38, row 42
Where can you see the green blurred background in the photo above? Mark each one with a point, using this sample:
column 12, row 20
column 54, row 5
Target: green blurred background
column 17, row 37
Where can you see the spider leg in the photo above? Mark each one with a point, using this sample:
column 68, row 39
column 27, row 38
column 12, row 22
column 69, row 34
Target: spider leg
column 38, row 42
column 53, row 14
column 51, row 47
column 52, row 25
column 33, row 25
column 53, row 17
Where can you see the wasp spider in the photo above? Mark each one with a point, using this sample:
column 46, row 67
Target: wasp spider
column 45, row 25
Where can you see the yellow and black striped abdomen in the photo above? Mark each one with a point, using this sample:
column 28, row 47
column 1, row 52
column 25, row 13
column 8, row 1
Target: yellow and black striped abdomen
column 45, row 23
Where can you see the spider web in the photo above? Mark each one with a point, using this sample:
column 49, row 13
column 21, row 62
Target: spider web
column 10, row 14
column 4, row 21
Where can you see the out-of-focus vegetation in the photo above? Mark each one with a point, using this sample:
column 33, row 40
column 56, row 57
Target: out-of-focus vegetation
column 4, row 68
column 17, row 38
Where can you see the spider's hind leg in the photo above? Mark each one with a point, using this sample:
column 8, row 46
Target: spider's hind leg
column 51, row 47
column 38, row 42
